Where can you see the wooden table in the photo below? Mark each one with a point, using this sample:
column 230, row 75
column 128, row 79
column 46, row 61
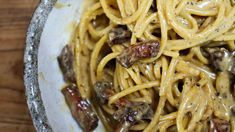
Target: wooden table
column 15, row 16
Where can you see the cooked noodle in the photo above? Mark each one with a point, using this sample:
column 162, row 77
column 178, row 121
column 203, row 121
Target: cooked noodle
column 181, row 88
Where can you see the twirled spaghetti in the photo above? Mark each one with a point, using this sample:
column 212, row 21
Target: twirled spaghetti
column 187, row 81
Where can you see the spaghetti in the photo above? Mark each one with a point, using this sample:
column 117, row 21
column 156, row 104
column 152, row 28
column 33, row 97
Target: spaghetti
column 185, row 79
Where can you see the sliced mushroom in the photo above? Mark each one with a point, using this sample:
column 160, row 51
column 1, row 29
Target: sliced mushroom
column 127, row 113
column 222, row 59
column 137, row 52
column 119, row 35
column 80, row 108
column 65, row 60
column 219, row 125
column 132, row 113
column 103, row 90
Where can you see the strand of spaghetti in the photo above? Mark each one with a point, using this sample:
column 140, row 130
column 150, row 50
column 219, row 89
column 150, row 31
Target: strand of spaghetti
column 146, row 71
column 83, row 22
column 122, row 77
column 176, row 91
column 130, row 90
column 193, row 21
column 139, row 127
column 233, row 125
column 121, row 8
column 103, row 118
column 149, row 70
column 157, row 70
column 163, row 76
column 210, row 29
column 103, row 62
column 108, row 13
column 199, row 55
column 226, row 37
column 157, row 114
column 141, row 9
column 200, row 12
column 170, row 116
column 99, row 33
column 222, row 28
column 179, row 29
column 126, row 20
column 77, row 66
column 205, row 32
column 129, row 7
column 173, row 54
column 167, row 83
column 141, row 26
column 180, row 7
column 149, row 36
column 138, row 81
column 166, row 125
column 142, row 21
column 197, row 114
column 190, row 95
column 117, row 70
column 163, row 25
column 108, row 109
column 131, row 84
column 231, row 44
column 94, row 57
column 206, row 4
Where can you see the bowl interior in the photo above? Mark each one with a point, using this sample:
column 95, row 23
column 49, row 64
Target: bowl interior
column 57, row 32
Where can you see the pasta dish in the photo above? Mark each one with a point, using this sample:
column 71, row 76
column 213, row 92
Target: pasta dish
column 152, row 65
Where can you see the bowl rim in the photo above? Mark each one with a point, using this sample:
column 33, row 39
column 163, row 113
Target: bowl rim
column 32, row 90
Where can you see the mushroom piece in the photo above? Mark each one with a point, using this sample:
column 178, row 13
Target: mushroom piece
column 103, row 90
column 219, row 125
column 222, row 59
column 137, row 52
column 119, row 35
column 128, row 115
column 65, row 60
column 80, row 108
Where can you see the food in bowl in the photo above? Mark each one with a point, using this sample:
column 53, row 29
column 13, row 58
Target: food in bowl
column 152, row 65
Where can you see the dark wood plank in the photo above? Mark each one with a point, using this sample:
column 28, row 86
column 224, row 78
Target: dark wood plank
column 13, row 107
column 15, row 16
column 6, row 127
column 14, row 19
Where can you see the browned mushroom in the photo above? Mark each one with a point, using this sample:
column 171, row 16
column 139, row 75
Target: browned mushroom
column 131, row 113
column 80, row 108
column 103, row 90
column 119, row 35
column 127, row 113
column 222, row 59
column 137, row 52
column 219, row 125
column 65, row 60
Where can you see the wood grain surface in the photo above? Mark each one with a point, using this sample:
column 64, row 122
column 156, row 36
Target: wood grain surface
column 15, row 16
